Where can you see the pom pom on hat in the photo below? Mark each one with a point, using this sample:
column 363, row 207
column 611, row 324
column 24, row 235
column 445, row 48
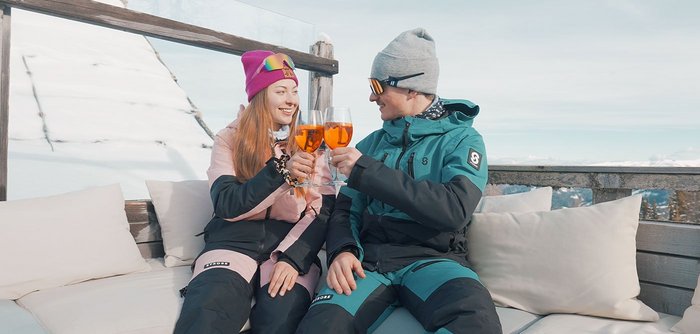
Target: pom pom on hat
column 411, row 52
column 257, row 77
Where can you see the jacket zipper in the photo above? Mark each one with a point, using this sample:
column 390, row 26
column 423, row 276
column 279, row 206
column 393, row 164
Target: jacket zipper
column 261, row 244
column 404, row 145
column 386, row 154
column 410, row 164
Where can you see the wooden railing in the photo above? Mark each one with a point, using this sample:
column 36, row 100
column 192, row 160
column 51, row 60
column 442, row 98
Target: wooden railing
column 607, row 183
column 95, row 13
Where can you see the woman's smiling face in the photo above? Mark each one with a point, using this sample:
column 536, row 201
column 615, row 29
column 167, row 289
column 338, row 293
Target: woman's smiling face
column 283, row 100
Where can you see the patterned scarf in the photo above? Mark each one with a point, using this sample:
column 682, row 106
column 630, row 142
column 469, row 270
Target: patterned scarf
column 435, row 111
column 281, row 134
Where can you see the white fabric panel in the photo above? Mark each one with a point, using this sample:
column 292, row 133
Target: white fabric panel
column 571, row 323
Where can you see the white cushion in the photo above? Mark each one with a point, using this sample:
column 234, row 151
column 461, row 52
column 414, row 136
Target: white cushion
column 578, row 260
column 401, row 321
column 64, row 239
column 14, row 319
column 147, row 303
column 691, row 317
column 183, row 209
column 569, row 323
column 538, row 199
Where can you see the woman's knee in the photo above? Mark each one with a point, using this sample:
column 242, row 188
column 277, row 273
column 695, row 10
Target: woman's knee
column 215, row 299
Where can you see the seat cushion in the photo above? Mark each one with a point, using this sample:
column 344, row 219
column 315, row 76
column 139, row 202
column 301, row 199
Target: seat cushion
column 539, row 199
column 49, row 243
column 574, row 261
column 183, row 208
column 691, row 317
column 401, row 321
column 571, row 323
column 147, row 303
column 14, row 319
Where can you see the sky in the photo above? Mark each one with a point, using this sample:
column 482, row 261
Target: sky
column 575, row 83
column 558, row 82
column 606, row 84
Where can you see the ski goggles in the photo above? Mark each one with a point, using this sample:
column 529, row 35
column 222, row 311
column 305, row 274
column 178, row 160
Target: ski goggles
column 377, row 86
column 275, row 61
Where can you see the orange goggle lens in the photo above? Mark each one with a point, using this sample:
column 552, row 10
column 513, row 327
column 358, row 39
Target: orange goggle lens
column 376, row 86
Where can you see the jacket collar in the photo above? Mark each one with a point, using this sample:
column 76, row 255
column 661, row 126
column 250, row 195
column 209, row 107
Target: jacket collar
column 461, row 114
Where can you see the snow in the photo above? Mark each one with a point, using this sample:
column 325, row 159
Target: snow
column 112, row 110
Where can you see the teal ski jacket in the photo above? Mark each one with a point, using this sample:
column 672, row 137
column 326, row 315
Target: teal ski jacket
column 411, row 194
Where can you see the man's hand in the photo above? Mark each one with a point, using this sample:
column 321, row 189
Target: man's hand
column 283, row 278
column 344, row 159
column 340, row 276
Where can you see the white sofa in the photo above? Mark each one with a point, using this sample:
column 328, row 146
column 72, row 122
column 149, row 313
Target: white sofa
column 144, row 296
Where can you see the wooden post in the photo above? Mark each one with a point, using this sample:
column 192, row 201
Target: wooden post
column 4, row 96
column 320, row 84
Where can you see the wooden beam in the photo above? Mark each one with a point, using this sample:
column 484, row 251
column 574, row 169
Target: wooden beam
column 4, row 96
column 665, row 299
column 596, row 169
column 675, row 271
column 669, row 238
column 150, row 25
column 143, row 222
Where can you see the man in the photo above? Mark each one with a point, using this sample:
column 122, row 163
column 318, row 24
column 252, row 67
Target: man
column 397, row 235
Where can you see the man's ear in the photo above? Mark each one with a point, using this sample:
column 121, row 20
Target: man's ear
column 411, row 94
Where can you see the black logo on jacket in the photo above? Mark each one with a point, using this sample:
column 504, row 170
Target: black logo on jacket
column 474, row 159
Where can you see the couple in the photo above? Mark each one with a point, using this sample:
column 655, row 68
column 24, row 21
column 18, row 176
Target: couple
column 395, row 235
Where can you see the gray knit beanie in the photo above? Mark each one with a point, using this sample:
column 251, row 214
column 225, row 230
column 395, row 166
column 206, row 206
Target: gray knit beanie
column 412, row 52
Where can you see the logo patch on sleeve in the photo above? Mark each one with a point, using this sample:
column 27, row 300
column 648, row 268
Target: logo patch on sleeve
column 217, row 264
column 321, row 298
column 474, row 159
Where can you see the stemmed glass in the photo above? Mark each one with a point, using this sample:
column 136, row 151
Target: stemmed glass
column 337, row 133
column 309, row 135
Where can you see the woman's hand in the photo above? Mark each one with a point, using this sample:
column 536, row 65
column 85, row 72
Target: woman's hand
column 284, row 276
column 301, row 165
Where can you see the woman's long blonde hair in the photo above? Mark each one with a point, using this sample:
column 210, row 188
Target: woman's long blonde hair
column 252, row 143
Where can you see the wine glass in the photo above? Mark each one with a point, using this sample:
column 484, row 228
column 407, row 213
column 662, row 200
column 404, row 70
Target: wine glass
column 337, row 132
column 309, row 135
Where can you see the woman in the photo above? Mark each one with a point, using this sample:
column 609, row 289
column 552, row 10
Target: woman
column 265, row 234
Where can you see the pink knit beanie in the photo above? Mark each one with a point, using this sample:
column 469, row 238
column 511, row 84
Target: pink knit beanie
column 257, row 75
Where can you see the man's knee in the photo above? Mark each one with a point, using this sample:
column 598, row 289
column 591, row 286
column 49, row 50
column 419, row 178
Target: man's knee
column 280, row 314
column 461, row 305
column 326, row 318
